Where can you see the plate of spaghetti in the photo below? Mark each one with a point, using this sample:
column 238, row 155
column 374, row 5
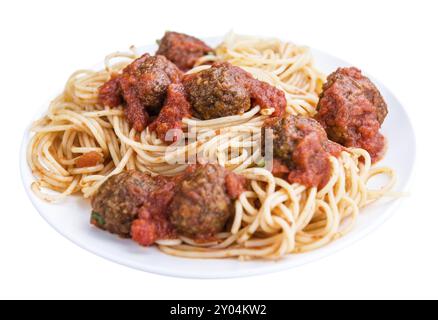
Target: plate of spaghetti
column 226, row 157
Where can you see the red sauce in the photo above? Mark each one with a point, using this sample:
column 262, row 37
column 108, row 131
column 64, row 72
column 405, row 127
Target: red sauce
column 263, row 94
column 279, row 169
column 110, row 94
column 151, row 85
column 142, row 86
column 360, row 123
column 302, row 150
column 175, row 108
column 267, row 96
column 182, row 49
column 235, row 185
column 153, row 223
column 351, row 110
column 312, row 164
column 89, row 159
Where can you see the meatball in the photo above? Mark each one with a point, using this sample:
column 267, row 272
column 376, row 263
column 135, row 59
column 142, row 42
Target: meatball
column 301, row 150
column 143, row 86
column 351, row 110
column 225, row 90
column 219, row 91
column 117, row 201
column 120, row 198
column 353, row 84
column 183, row 50
column 201, row 205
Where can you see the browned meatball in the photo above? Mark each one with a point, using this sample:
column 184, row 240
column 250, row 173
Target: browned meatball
column 183, row 50
column 301, row 150
column 351, row 110
column 118, row 201
column 219, row 91
column 201, row 205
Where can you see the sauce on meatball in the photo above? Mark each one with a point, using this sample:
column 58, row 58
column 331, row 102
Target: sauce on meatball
column 153, row 223
column 129, row 196
column 351, row 110
column 183, row 50
column 197, row 203
column 142, row 85
column 175, row 108
column 301, row 150
column 110, row 93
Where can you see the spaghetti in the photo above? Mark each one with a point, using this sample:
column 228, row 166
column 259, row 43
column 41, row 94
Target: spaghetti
column 273, row 218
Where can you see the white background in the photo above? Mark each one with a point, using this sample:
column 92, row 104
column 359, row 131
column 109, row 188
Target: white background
column 42, row 42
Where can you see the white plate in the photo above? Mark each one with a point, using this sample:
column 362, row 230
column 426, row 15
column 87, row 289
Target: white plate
column 71, row 217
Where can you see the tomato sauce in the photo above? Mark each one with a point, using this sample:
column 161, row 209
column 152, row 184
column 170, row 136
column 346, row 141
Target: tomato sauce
column 175, row 108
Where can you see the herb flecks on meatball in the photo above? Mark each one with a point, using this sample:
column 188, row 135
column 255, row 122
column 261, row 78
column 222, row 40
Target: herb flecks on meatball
column 219, row 91
column 351, row 110
column 183, row 50
column 301, row 150
column 116, row 203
